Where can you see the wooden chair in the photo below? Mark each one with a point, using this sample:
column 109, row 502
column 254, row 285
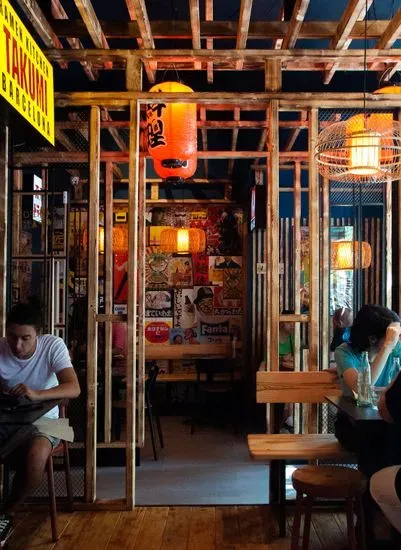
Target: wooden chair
column 60, row 451
column 329, row 482
column 294, row 387
column 214, row 376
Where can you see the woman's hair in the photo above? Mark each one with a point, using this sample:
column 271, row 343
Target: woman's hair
column 370, row 322
column 25, row 314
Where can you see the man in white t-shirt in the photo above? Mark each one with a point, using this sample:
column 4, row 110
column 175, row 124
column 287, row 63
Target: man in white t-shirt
column 38, row 367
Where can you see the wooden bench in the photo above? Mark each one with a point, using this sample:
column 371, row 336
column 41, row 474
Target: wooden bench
column 293, row 387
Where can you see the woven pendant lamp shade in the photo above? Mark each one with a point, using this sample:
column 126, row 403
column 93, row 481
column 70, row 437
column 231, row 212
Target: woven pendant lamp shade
column 362, row 149
column 172, row 132
column 120, row 239
column 181, row 240
column 343, row 254
column 177, row 174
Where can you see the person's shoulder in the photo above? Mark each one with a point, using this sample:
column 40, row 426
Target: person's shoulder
column 344, row 355
column 48, row 341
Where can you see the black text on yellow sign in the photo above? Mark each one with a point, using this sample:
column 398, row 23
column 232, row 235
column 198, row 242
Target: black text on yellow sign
column 26, row 76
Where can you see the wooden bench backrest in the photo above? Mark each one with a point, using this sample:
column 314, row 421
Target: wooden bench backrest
column 295, row 387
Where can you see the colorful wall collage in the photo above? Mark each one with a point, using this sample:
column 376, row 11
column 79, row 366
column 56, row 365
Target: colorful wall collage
column 196, row 298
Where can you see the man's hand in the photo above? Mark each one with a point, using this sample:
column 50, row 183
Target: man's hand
column 287, row 362
column 23, row 390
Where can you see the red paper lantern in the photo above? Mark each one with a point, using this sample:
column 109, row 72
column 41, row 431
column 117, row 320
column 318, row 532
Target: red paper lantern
column 178, row 174
column 172, row 133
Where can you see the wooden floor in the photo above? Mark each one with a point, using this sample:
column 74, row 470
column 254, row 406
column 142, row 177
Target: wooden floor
column 173, row 528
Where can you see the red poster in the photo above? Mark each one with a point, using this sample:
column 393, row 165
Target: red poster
column 120, row 278
column 201, row 269
column 157, row 332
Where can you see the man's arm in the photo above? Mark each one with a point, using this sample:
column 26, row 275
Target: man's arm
column 68, row 388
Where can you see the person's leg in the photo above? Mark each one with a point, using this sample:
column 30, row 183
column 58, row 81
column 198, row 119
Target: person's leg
column 382, row 489
column 30, row 473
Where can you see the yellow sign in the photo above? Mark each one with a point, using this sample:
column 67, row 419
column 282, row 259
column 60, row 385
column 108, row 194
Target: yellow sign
column 26, row 76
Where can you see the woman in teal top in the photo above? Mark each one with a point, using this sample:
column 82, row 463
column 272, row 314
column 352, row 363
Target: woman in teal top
column 377, row 330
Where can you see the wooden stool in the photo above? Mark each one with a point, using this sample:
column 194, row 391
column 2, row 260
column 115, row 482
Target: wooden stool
column 331, row 482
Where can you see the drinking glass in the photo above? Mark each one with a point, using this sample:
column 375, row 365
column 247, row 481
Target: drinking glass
column 375, row 394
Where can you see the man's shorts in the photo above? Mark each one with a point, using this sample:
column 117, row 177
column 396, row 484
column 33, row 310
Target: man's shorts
column 54, row 441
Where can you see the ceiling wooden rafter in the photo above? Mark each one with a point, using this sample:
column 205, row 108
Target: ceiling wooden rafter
column 356, row 10
column 386, row 41
column 137, row 12
column 243, row 27
column 58, row 12
column 209, row 41
column 91, row 21
column 195, row 26
column 297, row 18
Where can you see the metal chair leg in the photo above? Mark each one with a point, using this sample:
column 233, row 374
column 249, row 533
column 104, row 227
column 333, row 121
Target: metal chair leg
column 361, row 521
column 159, row 430
column 152, row 430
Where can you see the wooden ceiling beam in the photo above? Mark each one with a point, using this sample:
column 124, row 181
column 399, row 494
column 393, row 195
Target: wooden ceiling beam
column 39, row 22
column 356, row 10
column 300, row 56
column 219, row 30
column 243, row 28
column 387, row 40
column 105, row 117
column 145, row 38
column 92, row 23
column 195, row 26
column 209, row 41
column 262, row 145
column 58, row 12
column 297, row 18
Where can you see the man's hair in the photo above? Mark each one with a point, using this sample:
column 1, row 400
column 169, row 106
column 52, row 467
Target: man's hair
column 370, row 321
column 25, row 314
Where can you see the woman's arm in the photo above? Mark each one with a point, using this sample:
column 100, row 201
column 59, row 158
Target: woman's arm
column 391, row 340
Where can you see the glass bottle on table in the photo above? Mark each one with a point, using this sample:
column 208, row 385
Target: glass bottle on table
column 364, row 382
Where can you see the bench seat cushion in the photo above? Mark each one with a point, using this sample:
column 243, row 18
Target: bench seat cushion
column 295, row 446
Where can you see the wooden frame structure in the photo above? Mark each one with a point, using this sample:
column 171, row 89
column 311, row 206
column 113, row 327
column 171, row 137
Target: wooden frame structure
column 269, row 103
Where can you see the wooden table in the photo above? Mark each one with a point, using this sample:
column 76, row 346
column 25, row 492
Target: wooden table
column 18, row 425
column 357, row 415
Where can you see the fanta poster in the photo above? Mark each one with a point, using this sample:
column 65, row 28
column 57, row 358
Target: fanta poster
column 158, row 332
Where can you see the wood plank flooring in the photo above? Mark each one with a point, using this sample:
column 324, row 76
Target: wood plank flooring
column 173, row 528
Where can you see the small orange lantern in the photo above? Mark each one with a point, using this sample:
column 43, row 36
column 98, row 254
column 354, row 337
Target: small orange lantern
column 183, row 240
column 177, row 174
column 120, row 239
column 172, row 133
column 344, row 252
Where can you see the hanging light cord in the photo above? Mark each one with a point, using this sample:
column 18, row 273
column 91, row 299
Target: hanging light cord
column 365, row 58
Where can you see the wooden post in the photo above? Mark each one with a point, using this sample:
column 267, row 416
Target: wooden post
column 108, row 299
column 314, row 266
column 4, row 190
column 273, row 293
column 140, row 437
column 93, row 270
column 273, row 76
column 132, row 301
column 297, row 282
column 134, row 83
column 325, row 314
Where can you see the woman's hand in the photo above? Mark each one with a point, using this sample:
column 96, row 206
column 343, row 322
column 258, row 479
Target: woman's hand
column 393, row 334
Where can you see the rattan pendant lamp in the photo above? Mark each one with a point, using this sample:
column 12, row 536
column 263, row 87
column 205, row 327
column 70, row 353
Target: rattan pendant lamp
column 365, row 148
